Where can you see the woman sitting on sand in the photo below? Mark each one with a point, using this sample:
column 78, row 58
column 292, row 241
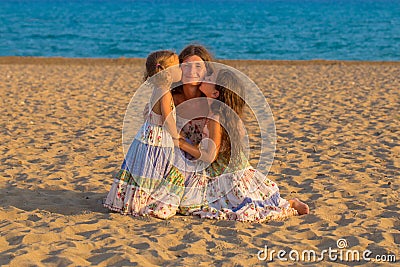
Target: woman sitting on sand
column 228, row 187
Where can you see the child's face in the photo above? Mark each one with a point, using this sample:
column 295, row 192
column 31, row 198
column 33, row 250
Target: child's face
column 175, row 71
column 207, row 87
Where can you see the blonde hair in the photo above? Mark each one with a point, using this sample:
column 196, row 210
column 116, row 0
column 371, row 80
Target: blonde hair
column 157, row 61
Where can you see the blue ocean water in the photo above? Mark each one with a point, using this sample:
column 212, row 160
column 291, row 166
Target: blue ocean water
column 265, row 29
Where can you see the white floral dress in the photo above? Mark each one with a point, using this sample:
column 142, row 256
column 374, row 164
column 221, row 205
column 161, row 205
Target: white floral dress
column 148, row 183
column 241, row 193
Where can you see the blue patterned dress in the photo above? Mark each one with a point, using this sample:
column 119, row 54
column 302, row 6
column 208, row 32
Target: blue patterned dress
column 148, row 183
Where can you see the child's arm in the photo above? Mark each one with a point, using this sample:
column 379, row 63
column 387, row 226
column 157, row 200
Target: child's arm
column 145, row 111
column 164, row 102
column 166, row 109
column 209, row 153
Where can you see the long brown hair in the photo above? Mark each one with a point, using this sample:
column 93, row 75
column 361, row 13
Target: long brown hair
column 231, row 91
column 156, row 62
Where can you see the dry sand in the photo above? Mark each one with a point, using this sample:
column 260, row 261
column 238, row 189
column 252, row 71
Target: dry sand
column 338, row 128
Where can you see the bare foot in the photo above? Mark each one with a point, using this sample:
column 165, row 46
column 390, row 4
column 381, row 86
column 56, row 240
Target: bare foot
column 302, row 208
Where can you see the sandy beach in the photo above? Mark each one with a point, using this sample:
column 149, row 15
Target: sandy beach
column 338, row 128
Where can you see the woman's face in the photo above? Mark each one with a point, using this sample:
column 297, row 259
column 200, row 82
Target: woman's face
column 193, row 70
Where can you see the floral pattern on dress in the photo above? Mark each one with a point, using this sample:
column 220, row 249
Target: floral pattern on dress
column 148, row 183
column 234, row 192
column 193, row 130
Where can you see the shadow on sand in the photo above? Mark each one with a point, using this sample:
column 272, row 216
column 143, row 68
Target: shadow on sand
column 60, row 201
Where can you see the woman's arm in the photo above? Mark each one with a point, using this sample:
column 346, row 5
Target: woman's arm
column 208, row 149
